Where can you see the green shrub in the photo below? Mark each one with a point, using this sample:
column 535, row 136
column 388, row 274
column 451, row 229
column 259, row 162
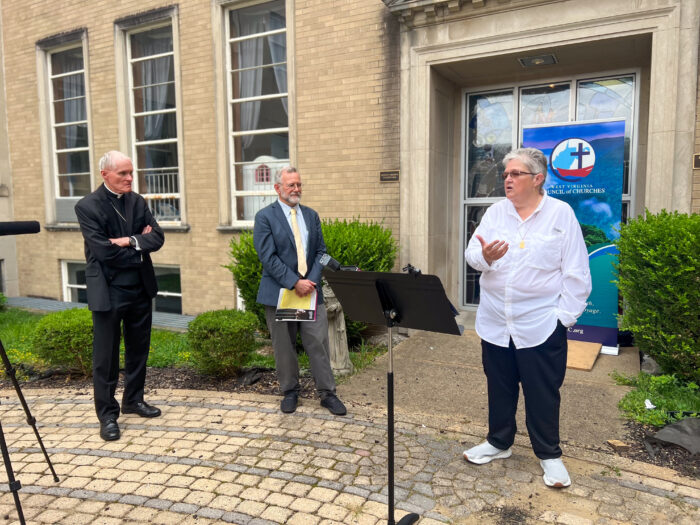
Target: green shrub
column 222, row 341
column 247, row 272
column 659, row 280
column 64, row 339
column 3, row 301
column 369, row 246
column 673, row 399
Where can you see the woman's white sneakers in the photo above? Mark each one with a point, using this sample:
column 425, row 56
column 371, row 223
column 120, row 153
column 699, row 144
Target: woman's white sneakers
column 485, row 453
column 555, row 474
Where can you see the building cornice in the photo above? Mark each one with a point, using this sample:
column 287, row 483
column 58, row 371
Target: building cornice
column 417, row 13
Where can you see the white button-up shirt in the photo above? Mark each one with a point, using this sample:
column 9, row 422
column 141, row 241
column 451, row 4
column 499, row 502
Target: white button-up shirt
column 524, row 292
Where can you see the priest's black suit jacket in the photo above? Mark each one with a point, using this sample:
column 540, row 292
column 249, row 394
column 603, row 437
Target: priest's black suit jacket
column 99, row 222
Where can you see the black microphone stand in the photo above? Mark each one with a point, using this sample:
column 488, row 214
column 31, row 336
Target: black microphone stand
column 14, row 484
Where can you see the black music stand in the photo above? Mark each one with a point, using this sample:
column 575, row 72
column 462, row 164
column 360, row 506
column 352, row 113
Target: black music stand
column 411, row 300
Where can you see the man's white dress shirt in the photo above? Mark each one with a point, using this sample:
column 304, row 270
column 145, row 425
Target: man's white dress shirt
column 524, row 292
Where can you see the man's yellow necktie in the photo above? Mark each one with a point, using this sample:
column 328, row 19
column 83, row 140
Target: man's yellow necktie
column 301, row 265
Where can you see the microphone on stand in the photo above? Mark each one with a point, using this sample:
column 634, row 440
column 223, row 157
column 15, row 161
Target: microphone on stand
column 19, row 227
column 332, row 264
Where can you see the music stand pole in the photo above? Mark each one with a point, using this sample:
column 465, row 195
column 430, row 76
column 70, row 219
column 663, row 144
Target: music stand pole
column 15, row 485
column 392, row 317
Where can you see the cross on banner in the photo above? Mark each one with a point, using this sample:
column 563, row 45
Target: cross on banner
column 580, row 153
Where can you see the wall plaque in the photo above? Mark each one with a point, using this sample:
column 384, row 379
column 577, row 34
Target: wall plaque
column 389, row 176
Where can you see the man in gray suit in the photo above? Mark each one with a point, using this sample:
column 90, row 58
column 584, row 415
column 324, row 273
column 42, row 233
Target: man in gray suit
column 289, row 243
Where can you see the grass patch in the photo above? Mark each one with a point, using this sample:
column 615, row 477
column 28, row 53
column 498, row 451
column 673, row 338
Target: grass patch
column 168, row 349
column 674, row 399
column 16, row 329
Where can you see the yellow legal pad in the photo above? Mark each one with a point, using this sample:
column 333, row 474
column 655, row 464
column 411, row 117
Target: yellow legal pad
column 291, row 307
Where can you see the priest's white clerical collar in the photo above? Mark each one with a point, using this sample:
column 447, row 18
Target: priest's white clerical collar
column 117, row 195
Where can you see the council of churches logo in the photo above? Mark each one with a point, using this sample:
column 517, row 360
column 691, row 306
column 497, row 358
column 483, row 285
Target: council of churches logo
column 572, row 159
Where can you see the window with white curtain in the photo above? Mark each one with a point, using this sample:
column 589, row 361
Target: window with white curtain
column 258, row 108
column 69, row 127
column 154, row 132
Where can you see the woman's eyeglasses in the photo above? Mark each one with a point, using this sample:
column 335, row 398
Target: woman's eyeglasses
column 514, row 173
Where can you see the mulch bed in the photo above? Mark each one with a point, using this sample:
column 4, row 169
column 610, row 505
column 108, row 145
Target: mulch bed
column 669, row 456
column 264, row 381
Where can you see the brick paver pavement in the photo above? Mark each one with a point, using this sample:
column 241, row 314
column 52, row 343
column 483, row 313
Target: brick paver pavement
column 217, row 458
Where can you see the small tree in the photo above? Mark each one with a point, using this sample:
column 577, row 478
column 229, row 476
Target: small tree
column 659, row 279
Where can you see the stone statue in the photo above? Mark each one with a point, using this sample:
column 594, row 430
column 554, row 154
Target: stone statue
column 337, row 336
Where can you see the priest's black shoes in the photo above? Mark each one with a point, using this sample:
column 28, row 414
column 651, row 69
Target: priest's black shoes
column 142, row 408
column 109, row 430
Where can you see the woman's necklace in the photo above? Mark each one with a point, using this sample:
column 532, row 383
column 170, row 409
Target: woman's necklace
column 522, row 237
column 532, row 219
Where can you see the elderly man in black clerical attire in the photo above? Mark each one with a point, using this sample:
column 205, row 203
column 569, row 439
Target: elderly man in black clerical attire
column 120, row 233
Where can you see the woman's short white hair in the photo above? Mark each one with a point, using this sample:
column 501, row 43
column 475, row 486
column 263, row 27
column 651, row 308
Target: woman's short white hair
column 110, row 159
column 534, row 161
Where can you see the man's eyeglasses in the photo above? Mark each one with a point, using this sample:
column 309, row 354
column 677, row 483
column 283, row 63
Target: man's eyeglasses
column 293, row 185
column 514, row 173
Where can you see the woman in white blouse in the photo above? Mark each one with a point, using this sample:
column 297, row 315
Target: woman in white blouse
column 534, row 284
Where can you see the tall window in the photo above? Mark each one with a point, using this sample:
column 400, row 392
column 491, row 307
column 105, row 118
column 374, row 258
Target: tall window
column 154, row 120
column 69, row 121
column 495, row 120
column 258, row 106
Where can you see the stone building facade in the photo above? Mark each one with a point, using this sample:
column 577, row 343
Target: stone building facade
column 212, row 96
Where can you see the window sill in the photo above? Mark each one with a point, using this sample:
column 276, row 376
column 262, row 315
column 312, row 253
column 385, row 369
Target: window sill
column 175, row 228
column 234, row 229
column 69, row 227
column 62, row 227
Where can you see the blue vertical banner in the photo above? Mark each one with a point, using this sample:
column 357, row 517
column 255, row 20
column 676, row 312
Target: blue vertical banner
column 586, row 163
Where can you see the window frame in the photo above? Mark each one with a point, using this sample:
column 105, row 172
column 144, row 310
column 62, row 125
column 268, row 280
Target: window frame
column 125, row 100
column 66, row 286
column 168, row 294
column 52, row 198
column 629, row 198
column 229, row 101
